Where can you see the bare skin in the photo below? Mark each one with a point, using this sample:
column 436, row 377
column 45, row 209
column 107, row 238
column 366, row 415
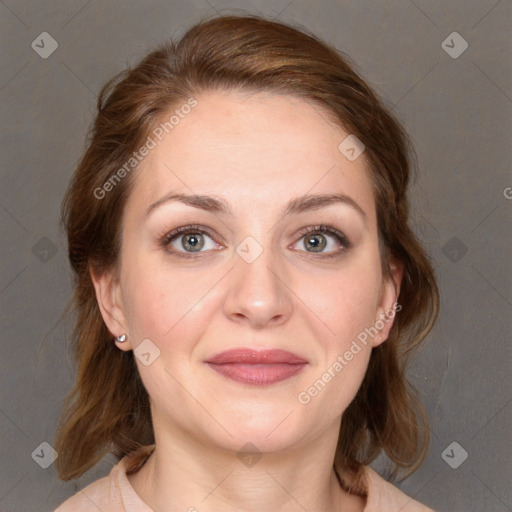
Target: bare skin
column 257, row 152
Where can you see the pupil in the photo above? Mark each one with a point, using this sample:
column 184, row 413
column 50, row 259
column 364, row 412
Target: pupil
column 316, row 242
column 193, row 241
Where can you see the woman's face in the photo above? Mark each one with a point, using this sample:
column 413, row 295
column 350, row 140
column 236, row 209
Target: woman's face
column 247, row 276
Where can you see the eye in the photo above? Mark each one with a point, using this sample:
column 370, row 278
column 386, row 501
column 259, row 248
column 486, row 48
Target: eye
column 186, row 240
column 317, row 238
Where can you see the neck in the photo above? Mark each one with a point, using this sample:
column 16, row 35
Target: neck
column 184, row 474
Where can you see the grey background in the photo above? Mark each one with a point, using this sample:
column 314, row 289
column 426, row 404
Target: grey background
column 458, row 112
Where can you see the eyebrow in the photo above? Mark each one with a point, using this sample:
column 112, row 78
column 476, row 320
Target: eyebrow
column 217, row 205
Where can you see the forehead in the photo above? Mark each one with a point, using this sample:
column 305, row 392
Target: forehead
column 257, row 148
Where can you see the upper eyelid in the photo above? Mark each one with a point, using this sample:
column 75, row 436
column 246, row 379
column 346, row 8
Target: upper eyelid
column 321, row 228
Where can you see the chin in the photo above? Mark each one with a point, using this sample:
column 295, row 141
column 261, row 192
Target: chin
column 258, row 441
column 268, row 426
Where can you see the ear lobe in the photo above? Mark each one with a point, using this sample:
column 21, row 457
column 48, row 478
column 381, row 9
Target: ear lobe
column 389, row 306
column 110, row 303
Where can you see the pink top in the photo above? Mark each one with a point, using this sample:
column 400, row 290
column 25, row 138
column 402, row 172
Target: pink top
column 114, row 493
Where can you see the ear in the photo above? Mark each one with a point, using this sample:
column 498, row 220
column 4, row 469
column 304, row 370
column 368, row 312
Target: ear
column 110, row 302
column 388, row 306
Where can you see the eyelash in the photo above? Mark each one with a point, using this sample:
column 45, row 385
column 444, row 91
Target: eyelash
column 169, row 237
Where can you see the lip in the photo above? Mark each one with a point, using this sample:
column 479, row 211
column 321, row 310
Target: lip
column 257, row 367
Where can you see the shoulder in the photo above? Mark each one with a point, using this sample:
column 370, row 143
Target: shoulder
column 383, row 496
column 113, row 492
column 93, row 497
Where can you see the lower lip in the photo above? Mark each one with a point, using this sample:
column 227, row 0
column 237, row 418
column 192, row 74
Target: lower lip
column 258, row 374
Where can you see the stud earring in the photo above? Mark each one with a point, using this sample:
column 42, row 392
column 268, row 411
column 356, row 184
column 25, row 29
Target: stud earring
column 121, row 338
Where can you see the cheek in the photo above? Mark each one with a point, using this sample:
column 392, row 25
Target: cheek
column 166, row 306
column 347, row 306
column 147, row 301
column 345, row 302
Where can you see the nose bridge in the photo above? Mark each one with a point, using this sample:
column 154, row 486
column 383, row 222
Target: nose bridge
column 257, row 292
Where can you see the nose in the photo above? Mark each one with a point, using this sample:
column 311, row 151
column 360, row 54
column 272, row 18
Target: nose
column 258, row 293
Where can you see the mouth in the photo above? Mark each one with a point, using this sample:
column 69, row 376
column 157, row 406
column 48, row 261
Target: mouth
column 257, row 367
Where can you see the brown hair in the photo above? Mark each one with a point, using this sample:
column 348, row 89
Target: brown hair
column 108, row 408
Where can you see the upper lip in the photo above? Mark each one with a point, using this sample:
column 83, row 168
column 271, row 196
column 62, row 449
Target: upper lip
column 251, row 356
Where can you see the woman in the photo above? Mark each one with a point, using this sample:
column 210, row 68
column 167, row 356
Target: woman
column 248, row 288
